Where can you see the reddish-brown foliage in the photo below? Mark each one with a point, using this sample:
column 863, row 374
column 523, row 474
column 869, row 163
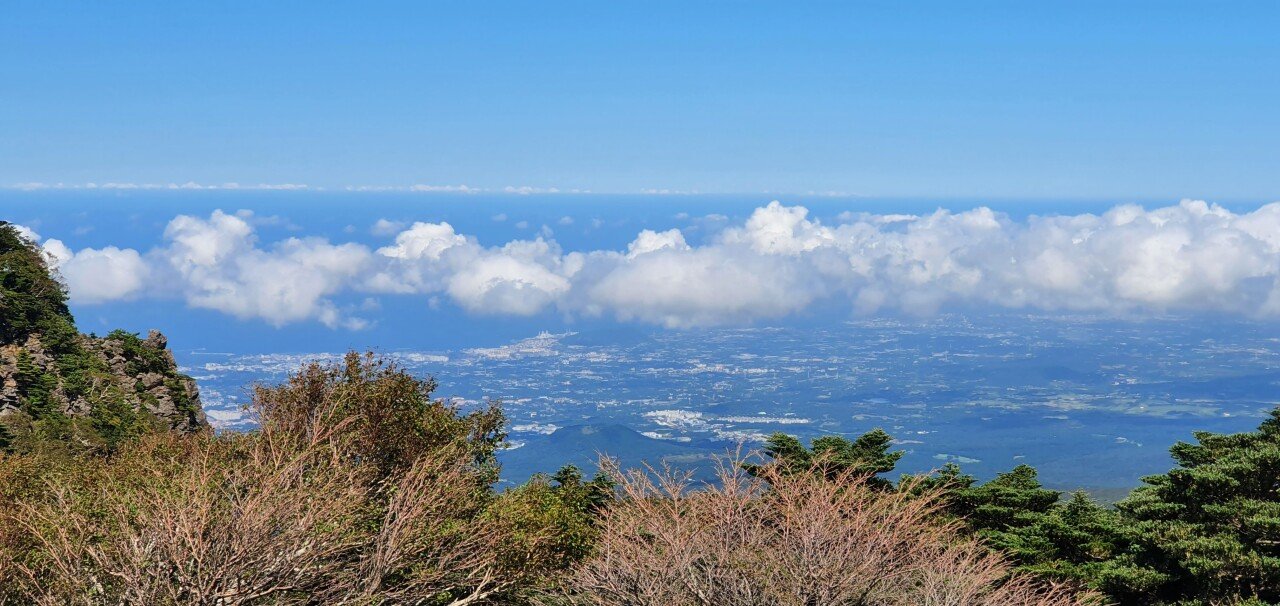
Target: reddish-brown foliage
column 791, row 540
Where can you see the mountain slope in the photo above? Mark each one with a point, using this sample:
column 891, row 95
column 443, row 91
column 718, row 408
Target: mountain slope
column 58, row 383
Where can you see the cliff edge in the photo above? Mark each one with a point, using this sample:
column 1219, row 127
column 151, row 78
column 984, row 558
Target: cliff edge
column 58, row 383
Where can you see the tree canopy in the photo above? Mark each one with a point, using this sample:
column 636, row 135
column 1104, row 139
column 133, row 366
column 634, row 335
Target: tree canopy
column 32, row 300
column 865, row 456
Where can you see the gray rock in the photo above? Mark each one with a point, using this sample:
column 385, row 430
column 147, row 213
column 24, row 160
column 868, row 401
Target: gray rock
column 164, row 392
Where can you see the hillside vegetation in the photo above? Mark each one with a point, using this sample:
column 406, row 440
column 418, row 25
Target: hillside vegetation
column 60, row 387
column 360, row 487
column 1205, row 533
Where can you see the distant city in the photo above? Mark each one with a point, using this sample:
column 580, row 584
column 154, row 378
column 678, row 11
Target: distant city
column 1092, row 403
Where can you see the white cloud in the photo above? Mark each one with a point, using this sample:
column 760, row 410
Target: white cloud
column 385, row 227
column 93, row 275
column 781, row 229
column 463, row 189
column 421, row 259
column 99, row 275
column 1193, row 256
column 416, row 188
column 521, row 278
column 424, row 241
column 1189, row 257
column 199, row 242
column 697, row 287
column 56, row 252
column 27, row 232
column 215, row 263
column 506, row 284
column 649, row 241
column 525, row 190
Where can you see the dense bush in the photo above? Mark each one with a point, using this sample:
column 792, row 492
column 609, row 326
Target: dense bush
column 779, row 538
column 358, row 488
column 1206, row 533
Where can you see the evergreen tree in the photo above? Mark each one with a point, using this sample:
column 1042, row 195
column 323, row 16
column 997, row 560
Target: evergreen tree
column 867, row 455
column 1072, row 540
column 949, row 482
column 585, row 496
column 1014, row 499
column 1208, row 530
column 1204, row 533
column 32, row 300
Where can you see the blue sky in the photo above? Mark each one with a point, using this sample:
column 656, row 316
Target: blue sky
column 947, row 100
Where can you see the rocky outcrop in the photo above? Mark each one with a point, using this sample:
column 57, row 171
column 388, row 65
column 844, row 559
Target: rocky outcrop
column 9, row 401
column 56, row 383
column 159, row 388
column 120, row 368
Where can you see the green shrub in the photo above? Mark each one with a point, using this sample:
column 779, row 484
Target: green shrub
column 359, row 487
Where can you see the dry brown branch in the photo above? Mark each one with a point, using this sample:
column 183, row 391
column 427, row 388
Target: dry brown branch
column 321, row 506
column 789, row 540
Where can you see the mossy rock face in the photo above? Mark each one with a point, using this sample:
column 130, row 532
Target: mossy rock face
column 58, row 383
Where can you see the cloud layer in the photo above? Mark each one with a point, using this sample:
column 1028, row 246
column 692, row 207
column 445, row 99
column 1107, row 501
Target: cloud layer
column 1190, row 257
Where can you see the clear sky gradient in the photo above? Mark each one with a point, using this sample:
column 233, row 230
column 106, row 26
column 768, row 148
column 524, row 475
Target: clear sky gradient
column 946, row 99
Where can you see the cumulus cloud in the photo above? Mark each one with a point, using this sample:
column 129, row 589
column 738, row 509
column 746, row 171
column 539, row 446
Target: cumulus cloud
column 99, row 275
column 1190, row 257
column 424, row 241
column 520, row 278
column 93, row 275
column 778, row 229
column 681, row 287
column 506, row 283
column 650, row 241
column 27, row 232
column 1193, row 256
column 215, row 263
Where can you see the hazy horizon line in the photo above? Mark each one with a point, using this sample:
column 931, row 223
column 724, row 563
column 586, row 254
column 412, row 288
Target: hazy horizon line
column 525, row 190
